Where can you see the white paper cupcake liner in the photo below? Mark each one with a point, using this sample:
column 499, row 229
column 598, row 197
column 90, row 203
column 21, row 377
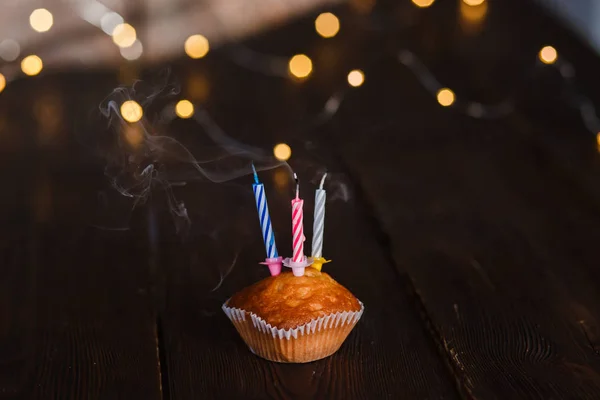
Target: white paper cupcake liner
column 312, row 341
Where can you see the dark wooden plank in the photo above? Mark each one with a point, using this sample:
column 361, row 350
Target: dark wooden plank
column 494, row 246
column 388, row 355
column 77, row 317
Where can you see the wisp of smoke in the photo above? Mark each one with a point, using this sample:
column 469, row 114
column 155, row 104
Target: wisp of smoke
column 140, row 158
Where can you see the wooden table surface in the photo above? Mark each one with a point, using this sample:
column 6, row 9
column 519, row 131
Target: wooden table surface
column 473, row 242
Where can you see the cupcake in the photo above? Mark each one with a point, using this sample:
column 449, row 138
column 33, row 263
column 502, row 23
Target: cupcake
column 294, row 319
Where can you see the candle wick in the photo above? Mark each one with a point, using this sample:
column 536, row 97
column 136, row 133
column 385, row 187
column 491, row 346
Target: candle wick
column 297, row 185
column 323, row 181
column 255, row 174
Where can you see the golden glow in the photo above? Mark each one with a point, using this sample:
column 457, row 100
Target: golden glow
column 445, row 97
column 282, row 152
column 300, row 66
column 473, row 2
column 32, row 65
column 196, row 46
column 133, row 135
column 184, row 109
column 124, row 35
column 423, row 3
column 356, row 78
column 41, row 20
column 598, row 138
column 548, row 55
column 131, row 111
column 327, row 25
column 2, row 83
column 472, row 16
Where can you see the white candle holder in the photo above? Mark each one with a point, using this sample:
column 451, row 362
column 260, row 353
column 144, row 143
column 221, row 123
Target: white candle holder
column 298, row 267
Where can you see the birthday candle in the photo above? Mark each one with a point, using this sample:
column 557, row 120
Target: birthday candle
column 264, row 217
column 297, row 226
column 319, row 220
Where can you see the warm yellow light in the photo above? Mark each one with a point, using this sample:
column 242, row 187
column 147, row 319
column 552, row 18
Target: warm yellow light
column 124, row 35
column 445, row 97
column 473, row 2
column 327, row 25
column 2, row 83
column 356, row 78
column 598, row 138
column 423, row 3
column 282, row 152
column 196, row 46
column 32, row 65
column 133, row 135
column 548, row 55
column 300, row 66
column 41, row 20
column 184, row 109
column 131, row 111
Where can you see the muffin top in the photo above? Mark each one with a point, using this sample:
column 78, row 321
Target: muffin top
column 287, row 301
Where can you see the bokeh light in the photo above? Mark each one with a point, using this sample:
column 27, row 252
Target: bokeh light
column 282, row 152
column 9, row 50
column 2, row 83
column 445, row 97
column 124, row 35
column 548, row 55
column 356, row 78
column 110, row 21
column 327, row 25
column 41, row 20
column 184, row 109
column 473, row 2
column 423, row 3
column 300, row 66
column 132, row 52
column 598, row 139
column 196, row 46
column 32, row 65
column 131, row 111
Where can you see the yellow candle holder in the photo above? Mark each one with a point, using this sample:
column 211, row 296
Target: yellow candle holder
column 318, row 263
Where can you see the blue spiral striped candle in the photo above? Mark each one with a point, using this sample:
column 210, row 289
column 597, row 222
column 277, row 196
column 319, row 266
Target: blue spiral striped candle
column 264, row 217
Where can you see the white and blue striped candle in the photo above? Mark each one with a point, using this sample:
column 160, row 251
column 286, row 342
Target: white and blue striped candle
column 264, row 217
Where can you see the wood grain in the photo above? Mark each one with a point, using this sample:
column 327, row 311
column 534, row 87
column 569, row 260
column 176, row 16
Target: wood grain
column 77, row 321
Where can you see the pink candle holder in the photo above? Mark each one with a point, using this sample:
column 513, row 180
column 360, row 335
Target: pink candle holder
column 298, row 267
column 274, row 265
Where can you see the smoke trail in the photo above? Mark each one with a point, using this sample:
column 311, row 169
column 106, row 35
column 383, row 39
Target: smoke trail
column 141, row 158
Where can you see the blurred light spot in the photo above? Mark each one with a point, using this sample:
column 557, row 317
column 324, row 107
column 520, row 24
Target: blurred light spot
column 473, row 2
column 2, row 83
column 423, row 3
column 472, row 16
column 598, row 138
column 327, row 25
column 196, row 46
column 184, row 109
column 41, row 20
column 131, row 111
column 133, row 135
column 110, row 21
column 32, row 65
column 445, row 97
column 132, row 52
column 9, row 50
column 282, row 152
column 356, row 78
column 300, row 66
column 124, row 35
column 92, row 11
column 548, row 55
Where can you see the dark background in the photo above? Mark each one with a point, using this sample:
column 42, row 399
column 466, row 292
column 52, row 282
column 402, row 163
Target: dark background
column 470, row 232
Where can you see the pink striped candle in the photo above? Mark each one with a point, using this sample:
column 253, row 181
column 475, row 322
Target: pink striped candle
column 298, row 228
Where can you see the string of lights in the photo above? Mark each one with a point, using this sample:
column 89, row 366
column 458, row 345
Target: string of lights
column 299, row 67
